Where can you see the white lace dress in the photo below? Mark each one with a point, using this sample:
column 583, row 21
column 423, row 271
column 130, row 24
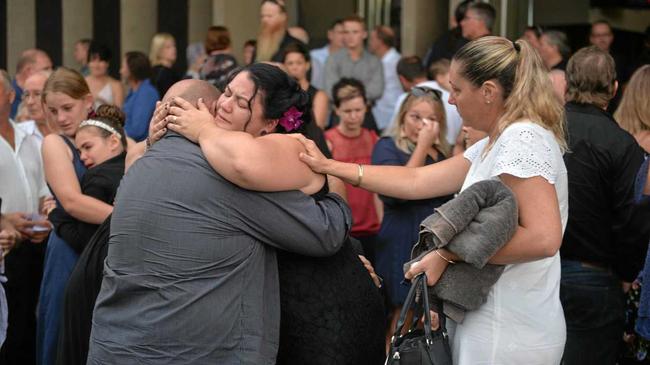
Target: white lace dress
column 522, row 321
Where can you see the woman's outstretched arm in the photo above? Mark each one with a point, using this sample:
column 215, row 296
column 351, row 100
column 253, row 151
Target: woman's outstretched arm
column 267, row 163
column 439, row 179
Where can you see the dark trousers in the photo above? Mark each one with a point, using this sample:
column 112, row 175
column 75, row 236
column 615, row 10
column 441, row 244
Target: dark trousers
column 24, row 269
column 594, row 308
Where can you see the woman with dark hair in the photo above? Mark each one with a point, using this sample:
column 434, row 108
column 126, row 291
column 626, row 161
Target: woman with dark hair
column 105, row 89
column 297, row 62
column 141, row 100
column 331, row 311
column 220, row 61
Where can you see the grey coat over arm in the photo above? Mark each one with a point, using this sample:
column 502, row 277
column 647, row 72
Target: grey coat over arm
column 474, row 226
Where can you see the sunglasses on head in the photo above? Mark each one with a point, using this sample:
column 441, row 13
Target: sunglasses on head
column 420, row 91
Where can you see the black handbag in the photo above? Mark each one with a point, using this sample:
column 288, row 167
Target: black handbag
column 420, row 346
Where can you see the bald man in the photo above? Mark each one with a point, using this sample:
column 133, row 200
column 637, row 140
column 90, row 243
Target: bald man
column 190, row 90
column 191, row 274
column 85, row 281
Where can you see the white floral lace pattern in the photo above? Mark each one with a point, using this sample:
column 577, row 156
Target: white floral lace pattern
column 524, row 150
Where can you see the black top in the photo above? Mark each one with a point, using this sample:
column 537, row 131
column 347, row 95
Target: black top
column 287, row 40
column 604, row 226
column 99, row 182
column 163, row 78
column 561, row 65
column 445, row 46
column 331, row 311
column 79, row 299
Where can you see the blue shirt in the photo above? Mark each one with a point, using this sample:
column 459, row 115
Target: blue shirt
column 17, row 100
column 138, row 107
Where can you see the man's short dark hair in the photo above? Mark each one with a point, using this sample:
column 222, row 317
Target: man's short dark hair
column 560, row 40
column 486, row 12
column 336, row 22
column 411, row 68
column 601, row 21
column 139, row 65
column 459, row 13
column 385, row 35
column 355, row 18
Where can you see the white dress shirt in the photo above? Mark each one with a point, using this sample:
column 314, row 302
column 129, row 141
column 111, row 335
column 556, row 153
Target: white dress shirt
column 383, row 109
column 318, row 59
column 23, row 178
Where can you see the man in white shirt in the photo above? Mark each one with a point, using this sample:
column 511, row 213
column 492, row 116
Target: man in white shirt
column 411, row 73
column 381, row 44
column 319, row 55
column 32, row 103
column 22, row 190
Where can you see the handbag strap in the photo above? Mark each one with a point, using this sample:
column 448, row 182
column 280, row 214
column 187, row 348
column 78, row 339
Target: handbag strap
column 427, row 313
column 408, row 303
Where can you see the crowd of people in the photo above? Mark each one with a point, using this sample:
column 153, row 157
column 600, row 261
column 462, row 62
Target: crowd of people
column 266, row 211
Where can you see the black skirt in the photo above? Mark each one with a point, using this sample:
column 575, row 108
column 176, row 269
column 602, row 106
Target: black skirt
column 79, row 300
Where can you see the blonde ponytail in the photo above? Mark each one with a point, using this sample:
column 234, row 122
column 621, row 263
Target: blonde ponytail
column 518, row 68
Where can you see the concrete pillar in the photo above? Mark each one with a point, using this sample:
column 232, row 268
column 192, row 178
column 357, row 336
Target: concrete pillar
column 200, row 19
column 139, row 23
column 240, row 17
column 78, row 24
column 422, row 22
column 21, row 30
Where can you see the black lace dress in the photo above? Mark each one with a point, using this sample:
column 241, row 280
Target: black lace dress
column 331, row 311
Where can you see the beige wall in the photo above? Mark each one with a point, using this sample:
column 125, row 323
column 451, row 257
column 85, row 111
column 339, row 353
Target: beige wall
column 21, row 32
column 139, row 24
column 319, row 14
column 200, row 14
column 422, row 22
column 77, row 24
column 634, row 20
column 242, row 19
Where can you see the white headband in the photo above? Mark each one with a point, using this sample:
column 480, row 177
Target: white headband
column 100, row 124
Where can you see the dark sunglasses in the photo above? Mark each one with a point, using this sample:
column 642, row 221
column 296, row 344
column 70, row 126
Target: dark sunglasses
column 420, row 91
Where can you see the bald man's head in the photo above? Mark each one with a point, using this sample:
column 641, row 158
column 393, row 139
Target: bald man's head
column 191, row 90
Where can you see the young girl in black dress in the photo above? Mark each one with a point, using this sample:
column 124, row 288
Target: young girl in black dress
column 101, row 142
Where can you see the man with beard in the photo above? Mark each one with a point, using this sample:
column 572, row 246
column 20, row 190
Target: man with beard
column 273, row 37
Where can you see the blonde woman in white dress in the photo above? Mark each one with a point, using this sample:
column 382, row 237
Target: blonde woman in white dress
column 501, row 88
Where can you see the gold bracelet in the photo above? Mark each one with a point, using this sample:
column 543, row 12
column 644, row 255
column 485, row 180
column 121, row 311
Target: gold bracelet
column 444, row 258
column 360, row 176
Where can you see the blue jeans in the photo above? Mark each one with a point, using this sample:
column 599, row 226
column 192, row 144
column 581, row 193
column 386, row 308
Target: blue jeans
column 594, row 309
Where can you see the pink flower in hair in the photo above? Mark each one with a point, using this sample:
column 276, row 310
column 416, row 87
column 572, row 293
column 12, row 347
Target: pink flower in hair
column 291, row 119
